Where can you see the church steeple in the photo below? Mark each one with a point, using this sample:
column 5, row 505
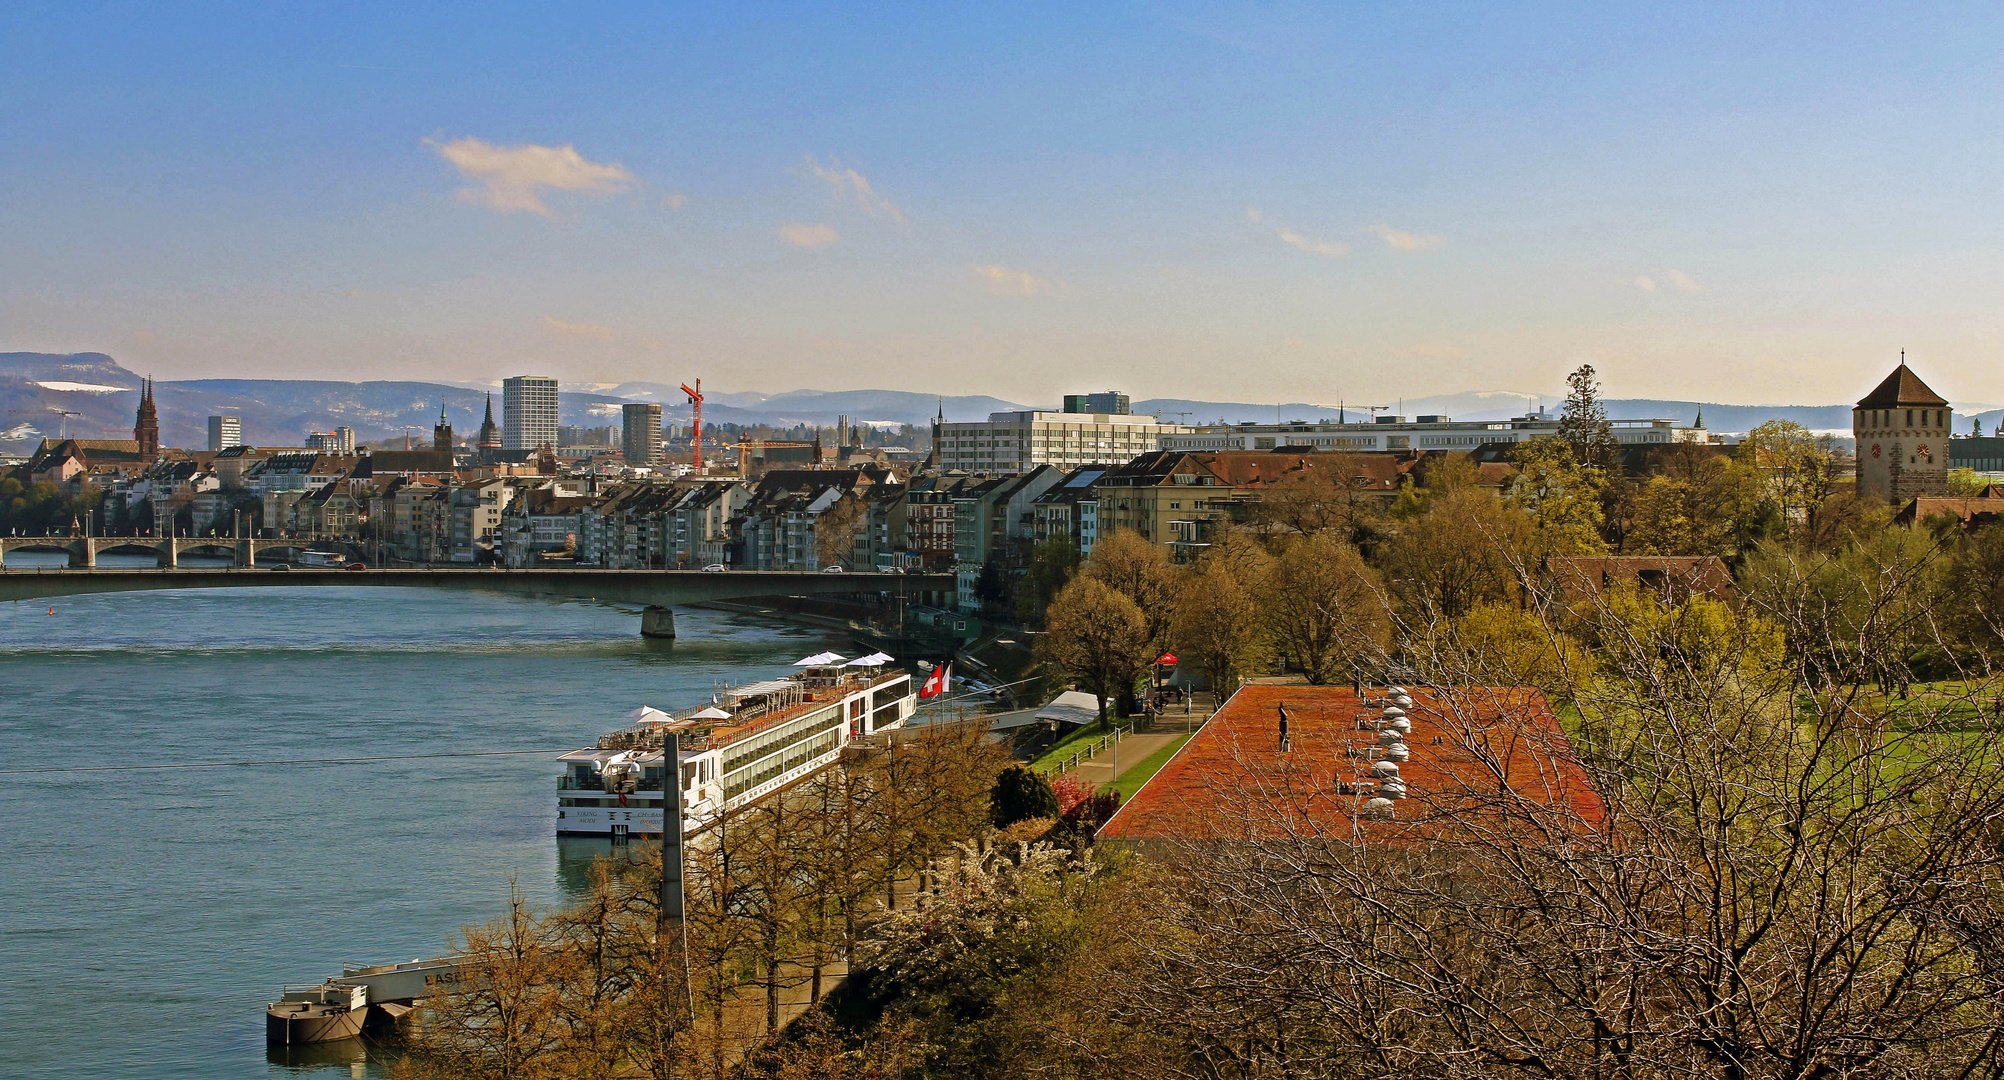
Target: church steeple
column 489, row 442
column 441, row 436
column 146, row 426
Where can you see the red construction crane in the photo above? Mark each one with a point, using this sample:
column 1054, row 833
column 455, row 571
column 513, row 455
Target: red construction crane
column 696, row 399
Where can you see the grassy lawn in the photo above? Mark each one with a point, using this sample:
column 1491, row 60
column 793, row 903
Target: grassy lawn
column 1137, row 775
column 1079, row 739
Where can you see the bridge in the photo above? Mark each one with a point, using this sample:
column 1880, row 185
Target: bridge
column 84, row 550
column 656, row 591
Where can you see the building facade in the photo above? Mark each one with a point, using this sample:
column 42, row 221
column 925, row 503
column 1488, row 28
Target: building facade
column 225, row 432
column 640, row 433
column 528, row 412
column 1016, row 442
column 1419, row 433
column 1902, row 429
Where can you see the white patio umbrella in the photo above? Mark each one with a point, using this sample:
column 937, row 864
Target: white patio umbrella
column 647, row 714
column 820, row 659
column 872, row 660
column 711, row 713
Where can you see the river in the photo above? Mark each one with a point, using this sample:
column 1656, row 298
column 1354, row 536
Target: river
column 146, row 917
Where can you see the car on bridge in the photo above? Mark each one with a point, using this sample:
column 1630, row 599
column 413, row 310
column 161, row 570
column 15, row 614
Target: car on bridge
column 833, row 568
column 715, row 568
column 358, row 566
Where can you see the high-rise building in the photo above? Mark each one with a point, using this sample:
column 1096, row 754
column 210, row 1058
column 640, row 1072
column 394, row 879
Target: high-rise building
column 529, row 412
column 640, row 435
column 146, row 426
column 1112, row 402
column 225, row 432
column 339, row 441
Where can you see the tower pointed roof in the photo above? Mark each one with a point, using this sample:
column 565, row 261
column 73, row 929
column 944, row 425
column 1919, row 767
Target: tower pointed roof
column 441, row 411
column 1901, row 389
column 490, row 406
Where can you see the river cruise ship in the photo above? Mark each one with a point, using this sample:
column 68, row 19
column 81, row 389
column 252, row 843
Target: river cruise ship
column 746, row 743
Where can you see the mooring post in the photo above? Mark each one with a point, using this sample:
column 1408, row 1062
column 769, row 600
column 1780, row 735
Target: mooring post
column 657, row 622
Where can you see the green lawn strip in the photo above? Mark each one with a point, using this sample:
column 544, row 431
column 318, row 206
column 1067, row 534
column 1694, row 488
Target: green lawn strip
column 1130, row 781
column 1063, row 748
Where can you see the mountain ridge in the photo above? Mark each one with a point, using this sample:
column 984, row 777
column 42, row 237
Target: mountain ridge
column 101, row 393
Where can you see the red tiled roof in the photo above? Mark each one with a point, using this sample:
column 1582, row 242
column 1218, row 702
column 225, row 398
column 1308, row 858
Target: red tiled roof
column 1480, row 757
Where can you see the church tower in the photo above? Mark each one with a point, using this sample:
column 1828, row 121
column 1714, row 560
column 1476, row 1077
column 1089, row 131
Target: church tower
column 1902, row 429
column 490, row 436
column 441, row 434
column 146, row 428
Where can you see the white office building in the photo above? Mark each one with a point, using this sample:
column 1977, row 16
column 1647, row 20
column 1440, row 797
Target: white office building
column 225, row 432
column 1418, row 433
column 1015, row 442
column 528, row 412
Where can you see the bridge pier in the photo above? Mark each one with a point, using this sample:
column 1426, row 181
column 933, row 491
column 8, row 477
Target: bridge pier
column 657, row 622
column 89, row 554
column 171, row 549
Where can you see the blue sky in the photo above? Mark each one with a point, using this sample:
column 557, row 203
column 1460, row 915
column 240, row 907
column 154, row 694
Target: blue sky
column 1241, row 202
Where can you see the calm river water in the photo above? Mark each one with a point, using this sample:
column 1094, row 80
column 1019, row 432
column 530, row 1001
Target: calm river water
column 147, row 917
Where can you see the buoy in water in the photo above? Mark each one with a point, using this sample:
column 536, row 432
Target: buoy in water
column 52, row 611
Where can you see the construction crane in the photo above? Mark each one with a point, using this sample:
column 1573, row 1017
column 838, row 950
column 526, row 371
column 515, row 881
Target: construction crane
column 696, row 399
column 1185, row 413
column 64, row 424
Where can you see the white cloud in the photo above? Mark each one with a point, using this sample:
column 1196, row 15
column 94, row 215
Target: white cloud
column 674, row 202
column 848, row 182
column 511, row 178
column 809, row 236
column 1253, row 215
column 1405, row 241
column 560, row 328
column 1682, row 281
column 1317, row 247
column 1645, row 283
column 1007, row 282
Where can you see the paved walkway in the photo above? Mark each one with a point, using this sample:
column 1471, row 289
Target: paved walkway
column 1130, row 752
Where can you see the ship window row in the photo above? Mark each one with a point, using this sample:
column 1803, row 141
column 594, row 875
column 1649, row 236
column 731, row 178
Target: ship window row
column 631, row 804
column 741, row 754
column 890, row 692
column 736, row 784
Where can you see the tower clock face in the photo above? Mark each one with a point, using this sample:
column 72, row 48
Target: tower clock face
column 1875, row 450
column 1923, row 451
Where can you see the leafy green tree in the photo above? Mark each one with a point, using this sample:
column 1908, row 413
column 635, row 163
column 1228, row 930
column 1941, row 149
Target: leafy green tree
column 1021, row 793
column 1584, row 429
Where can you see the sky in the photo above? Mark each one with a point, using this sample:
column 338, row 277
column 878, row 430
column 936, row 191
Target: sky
column 1318, row 202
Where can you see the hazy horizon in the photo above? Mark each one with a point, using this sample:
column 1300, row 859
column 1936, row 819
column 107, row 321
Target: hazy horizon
column 1708, row 203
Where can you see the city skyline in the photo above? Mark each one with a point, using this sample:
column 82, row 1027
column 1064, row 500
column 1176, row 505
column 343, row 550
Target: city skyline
column 1692, row 200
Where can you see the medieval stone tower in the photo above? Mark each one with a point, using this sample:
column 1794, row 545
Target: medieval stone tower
column 1902, row 429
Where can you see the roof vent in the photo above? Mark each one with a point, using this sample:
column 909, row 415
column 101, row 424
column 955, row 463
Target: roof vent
column 1397, row 752
column 1385, row 770
column 1403, row 701
column 1401, row 725
column 1380, row 809
column 1394, row 788
column 1391, row 736
column 1396, row 691
column 1393, row 712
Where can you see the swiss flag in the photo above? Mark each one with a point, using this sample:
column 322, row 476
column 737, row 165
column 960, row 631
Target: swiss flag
column 937, row 683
